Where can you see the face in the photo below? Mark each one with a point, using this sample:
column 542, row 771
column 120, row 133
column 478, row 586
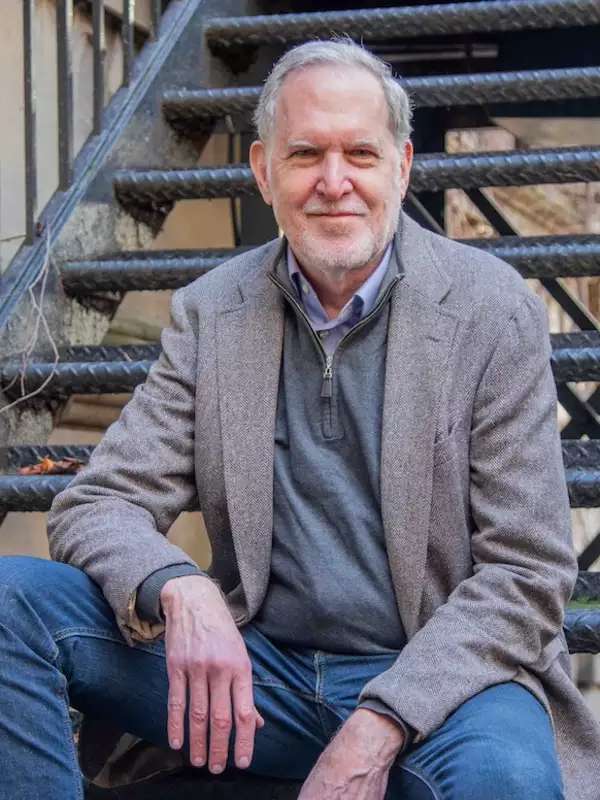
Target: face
column 332, row 170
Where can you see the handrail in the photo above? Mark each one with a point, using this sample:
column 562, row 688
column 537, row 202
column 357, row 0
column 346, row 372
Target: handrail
column 29, row 260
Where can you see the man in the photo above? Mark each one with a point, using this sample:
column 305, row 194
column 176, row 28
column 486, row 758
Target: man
column 367, row 415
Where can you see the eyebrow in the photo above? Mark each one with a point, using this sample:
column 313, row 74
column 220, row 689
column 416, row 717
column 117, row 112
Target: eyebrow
column 366, row 143
column 358, row 143
column 300, row 143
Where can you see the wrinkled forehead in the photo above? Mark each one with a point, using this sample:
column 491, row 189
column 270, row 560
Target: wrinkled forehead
column 331, row 99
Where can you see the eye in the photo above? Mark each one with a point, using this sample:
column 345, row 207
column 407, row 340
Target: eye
column 305, row 152
column 362, row 152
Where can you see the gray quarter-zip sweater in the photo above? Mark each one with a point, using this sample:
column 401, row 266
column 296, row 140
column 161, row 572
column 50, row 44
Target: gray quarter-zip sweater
column 330, row 586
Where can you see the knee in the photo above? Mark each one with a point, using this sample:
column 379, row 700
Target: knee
column 512, row 772
column 29, row 587
column 22, row 575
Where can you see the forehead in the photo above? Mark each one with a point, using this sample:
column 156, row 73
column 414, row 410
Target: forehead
column 331, row 99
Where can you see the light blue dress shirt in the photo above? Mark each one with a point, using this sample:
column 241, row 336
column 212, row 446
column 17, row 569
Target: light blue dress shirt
column 331, row 331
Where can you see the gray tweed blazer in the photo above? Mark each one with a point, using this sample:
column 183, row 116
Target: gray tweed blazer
column 474, row 500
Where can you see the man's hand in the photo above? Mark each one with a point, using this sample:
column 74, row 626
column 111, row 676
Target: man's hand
column 356, row 763
column 206, row 653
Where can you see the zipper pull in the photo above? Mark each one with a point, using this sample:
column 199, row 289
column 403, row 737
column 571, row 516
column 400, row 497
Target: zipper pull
column 327, row 385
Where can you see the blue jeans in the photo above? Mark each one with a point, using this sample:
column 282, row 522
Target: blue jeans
column 60, row 645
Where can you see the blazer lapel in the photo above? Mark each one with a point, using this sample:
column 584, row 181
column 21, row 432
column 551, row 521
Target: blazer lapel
column 420, row 336
column 249, row 344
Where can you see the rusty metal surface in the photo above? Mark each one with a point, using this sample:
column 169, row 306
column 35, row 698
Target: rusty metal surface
column 401, row 23
column 150, row 194
column 195, row 110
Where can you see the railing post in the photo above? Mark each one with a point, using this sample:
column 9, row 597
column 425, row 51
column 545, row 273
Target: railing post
column 64, row 42
column 156, row 12
column 127, row 36
column 99, row 37
column 30, row 138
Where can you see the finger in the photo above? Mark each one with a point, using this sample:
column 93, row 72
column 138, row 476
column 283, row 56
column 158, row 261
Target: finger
column 220, row 721
column 176, row 707
column 245, row 717
column 198, row 717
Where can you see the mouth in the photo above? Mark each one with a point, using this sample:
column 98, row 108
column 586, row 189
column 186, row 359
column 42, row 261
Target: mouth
column 336, row 214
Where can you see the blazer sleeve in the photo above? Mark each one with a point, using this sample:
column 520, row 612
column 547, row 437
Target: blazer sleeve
column 524, row 564
column 112, row 519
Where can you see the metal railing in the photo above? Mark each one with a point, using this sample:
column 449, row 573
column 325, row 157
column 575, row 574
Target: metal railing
column 124, row 19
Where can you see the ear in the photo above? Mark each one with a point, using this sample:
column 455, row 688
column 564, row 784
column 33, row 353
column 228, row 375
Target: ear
column 258, row 164
column 405, row 166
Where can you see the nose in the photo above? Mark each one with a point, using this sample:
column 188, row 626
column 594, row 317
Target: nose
column 334, row 181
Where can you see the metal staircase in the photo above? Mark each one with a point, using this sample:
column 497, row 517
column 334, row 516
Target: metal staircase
column 172, row 117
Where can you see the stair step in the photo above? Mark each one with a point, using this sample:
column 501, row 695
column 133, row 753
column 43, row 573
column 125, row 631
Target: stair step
column 148, row 195
column 146, row 270
column 383, row 24
column 35, row 492
column 23, row 455
column 577, row 453
column 582, row 629
column 110, row 369
column 576, row 356
column 190, row 111
column 533, row 257
column 76, row 377
column 105, row 353
column 30, row 492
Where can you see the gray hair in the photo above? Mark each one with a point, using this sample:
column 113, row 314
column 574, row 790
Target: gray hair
column 342, row 52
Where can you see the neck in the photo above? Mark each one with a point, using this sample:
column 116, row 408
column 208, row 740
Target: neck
column 335, row 287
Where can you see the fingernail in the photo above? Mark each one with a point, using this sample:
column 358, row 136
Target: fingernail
column 244, row 761
column 217, row 768
column 176, row 744
column 198, row 761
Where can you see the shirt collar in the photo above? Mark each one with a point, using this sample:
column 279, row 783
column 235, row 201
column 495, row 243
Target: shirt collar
column 359, row 305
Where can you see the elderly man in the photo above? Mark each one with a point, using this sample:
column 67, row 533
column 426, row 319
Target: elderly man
column 366, row 413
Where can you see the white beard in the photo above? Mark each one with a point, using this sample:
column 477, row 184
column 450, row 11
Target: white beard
column 343, row 254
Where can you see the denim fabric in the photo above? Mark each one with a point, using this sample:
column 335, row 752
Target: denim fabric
column 59, row 644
